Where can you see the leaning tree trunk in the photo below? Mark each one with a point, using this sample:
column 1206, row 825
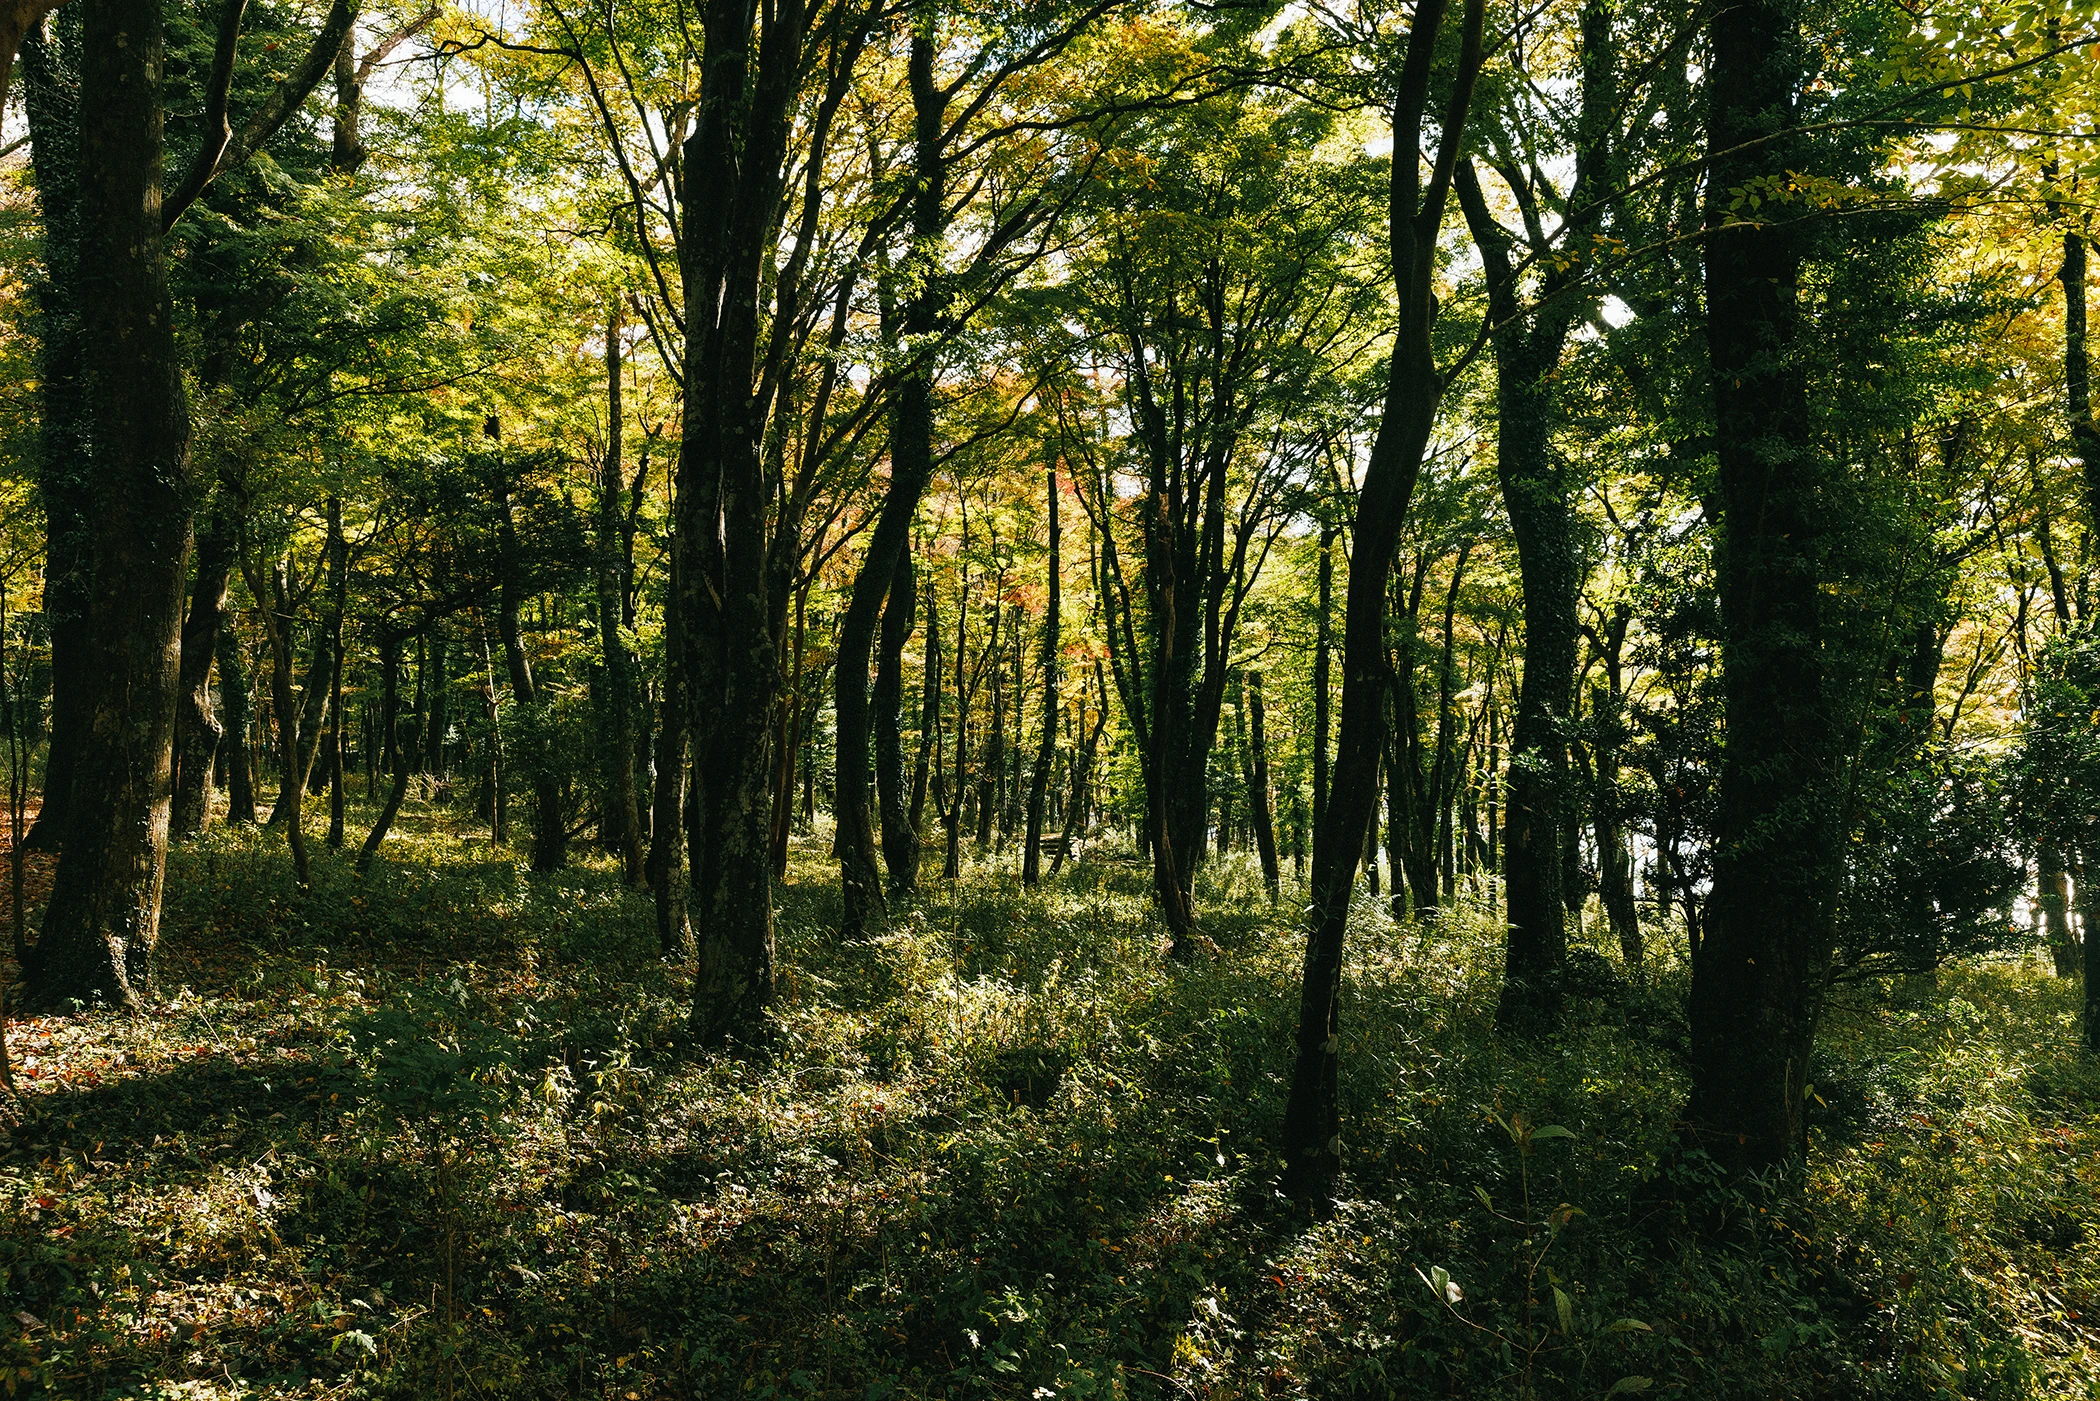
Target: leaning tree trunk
column 197, row 728
column 900, row 830
column 1046, row 752
column 1764, row 960
column 103, row 917
column 1312, row 1142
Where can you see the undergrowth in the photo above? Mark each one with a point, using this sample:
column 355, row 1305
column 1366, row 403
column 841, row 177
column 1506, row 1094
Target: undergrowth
column 438, row 1133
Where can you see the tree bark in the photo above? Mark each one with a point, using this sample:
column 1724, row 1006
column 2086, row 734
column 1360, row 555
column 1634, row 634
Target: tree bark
column 1312, row 1116
column 1323, row 675
column 1763, row 963
column 623, row 811
column 100, row 926
column 238, row 704
column 729, row 190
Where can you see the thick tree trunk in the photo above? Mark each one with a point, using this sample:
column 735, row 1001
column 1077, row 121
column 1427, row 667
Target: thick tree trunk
column 197, row 728
column 1259, row 800
column 900, row 833
column 623, row 816
column 1312, row 1143
column 1046, row 751
column 65, row 480
column 104, row 913
column 729, row 190
column 1762, row 968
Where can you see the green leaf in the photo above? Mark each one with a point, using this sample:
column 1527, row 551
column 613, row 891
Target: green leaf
column 1565, row 1307
column 1629, row 1325
column 1551, row 1131
column 1627, row 1385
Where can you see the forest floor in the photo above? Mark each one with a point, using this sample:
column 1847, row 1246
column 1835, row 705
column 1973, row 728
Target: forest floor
column 437, row 1134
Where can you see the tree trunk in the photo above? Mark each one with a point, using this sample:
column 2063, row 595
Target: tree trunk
column 550, row 834
column 291, row 791
column 332, row 740
column 1046, row 751
column 2053, row 894
column 1759, row 979
column 729, row 185
column 197, row 728
column 928, row 756
column 238, row 705
column 623, row 812
column 65, row 479
column 1259, row 800
column 1312, row 1143
column 103, row 917
column 900, row 834
column 389, row 718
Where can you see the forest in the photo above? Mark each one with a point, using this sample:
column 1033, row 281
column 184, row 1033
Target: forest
column 1043, row 699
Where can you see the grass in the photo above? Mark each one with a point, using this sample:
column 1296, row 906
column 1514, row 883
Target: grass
column 437, row 1134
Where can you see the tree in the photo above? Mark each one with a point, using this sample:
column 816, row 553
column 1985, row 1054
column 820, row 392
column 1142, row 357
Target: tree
column 1312, row 1117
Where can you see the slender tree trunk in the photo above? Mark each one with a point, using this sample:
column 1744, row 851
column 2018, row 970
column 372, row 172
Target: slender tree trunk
column 550, row 834
column 1260, row 801
column 1046, row 751
column 1323, row 677
column 900, row 833
column 51, row 65
column 1312, row 1117
column 276, row 615
column 332, row 743
column 928, row 756
column 623, row 811
column 103, row 917
column 197, row 727
column 1763, row 964
column 389, row 719
column 238, row 705
column 993, row 760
